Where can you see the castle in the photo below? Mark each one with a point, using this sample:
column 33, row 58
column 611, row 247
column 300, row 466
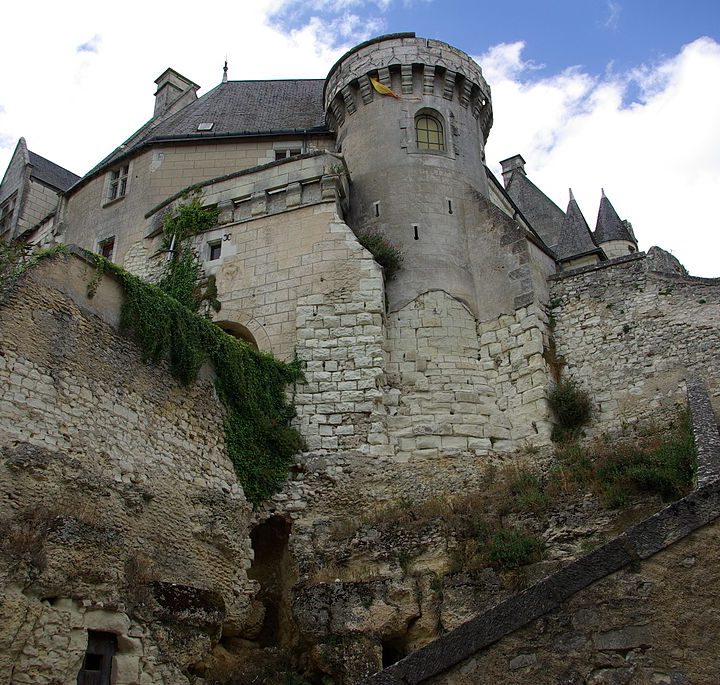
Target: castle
column 410, row 382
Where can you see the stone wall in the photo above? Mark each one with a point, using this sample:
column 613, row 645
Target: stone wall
column 340, row 336
column 40, row 200
column 154, row 176
column 512, row 356
column 462, row 386
column 632, row 337
column 120, row 510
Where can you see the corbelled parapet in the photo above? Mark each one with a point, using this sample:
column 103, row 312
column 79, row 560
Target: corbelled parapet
column 409, row 66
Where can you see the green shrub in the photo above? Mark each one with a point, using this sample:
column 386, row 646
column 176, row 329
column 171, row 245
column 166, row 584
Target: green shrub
column 511, row 548
column 385, row 253
column 572, row 407
column 663, row 465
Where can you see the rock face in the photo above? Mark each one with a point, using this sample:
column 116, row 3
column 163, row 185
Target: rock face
column 120, row 512
column 651, row 623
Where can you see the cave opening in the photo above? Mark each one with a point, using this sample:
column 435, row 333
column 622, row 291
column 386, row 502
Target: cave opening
column 392, row 651
column 273, row 570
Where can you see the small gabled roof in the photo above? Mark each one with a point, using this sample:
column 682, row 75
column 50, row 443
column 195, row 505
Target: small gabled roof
column 235, row 108
column 575, row 237
column 51, row 174
column 609, row 226
column 544, row 215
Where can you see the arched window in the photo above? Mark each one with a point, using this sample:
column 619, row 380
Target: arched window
column 429, row 132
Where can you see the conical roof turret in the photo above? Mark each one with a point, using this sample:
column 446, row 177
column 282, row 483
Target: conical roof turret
column 609, row 226
column 575, row 237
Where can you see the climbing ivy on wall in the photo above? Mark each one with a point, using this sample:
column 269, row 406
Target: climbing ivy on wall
column 251, row 384
column 182, row 274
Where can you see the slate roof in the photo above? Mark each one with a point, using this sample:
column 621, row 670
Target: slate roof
column 542, row 213
column 51, row 174
column 609, row 226
column 535, row 236
column 236, row 108
column 575, row 237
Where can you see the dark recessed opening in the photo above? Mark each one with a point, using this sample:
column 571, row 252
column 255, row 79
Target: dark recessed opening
column 97, row 664
column 93, row 662
column 271, row 569
column 392, row 652
column 416, row 235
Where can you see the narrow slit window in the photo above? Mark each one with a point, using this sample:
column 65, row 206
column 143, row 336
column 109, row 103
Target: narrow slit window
column 450, row 209
column 416, row 234
column 377, row 209
column 429, row 133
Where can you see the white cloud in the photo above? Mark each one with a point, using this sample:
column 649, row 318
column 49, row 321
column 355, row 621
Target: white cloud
column 657, row 157
column 614, row 9
column 75, row 106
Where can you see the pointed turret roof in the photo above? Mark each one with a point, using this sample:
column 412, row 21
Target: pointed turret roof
column 542, row 213
column 609, row 226
column 575, row 237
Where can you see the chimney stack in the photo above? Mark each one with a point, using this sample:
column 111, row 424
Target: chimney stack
column 174, row 91
column 511, row 164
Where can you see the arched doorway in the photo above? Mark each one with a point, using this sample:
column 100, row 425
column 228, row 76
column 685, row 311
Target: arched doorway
column 237, row 330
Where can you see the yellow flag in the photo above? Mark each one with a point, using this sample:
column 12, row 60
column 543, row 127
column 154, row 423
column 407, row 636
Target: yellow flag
column 383, row 89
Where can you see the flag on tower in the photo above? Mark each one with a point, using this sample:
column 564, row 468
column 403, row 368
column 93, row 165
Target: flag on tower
column 383, row 89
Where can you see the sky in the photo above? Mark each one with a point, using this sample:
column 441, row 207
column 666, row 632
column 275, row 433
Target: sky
column 616, row 94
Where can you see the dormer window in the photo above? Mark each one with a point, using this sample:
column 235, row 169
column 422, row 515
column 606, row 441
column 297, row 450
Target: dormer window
column 118, row 183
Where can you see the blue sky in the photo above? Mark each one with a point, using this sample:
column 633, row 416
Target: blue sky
column 593, row 34
column 614, row 94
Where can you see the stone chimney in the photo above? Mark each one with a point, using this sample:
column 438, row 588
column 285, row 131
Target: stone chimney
column 511, row 164
column 174, row 92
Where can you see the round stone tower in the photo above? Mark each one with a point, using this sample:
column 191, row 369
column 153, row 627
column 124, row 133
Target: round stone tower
column 411, row 117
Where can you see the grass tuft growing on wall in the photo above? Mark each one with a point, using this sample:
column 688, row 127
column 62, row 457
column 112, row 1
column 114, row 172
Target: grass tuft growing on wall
column 385, row 253
column 662, row 465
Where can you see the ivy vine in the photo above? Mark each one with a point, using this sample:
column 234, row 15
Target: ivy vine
column 251, row 384
column 182, row 276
